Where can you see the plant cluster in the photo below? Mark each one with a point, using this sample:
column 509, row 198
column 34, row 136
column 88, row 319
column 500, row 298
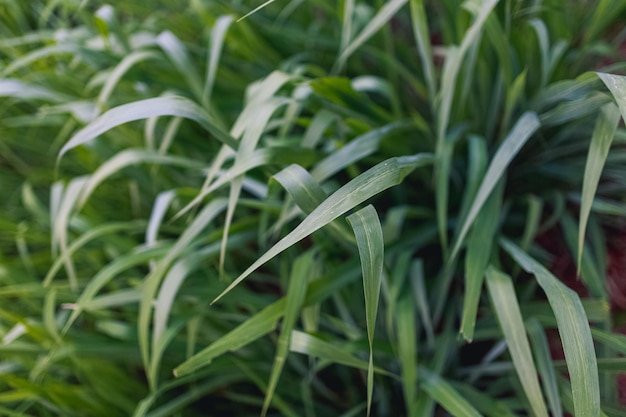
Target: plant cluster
column 323, row 208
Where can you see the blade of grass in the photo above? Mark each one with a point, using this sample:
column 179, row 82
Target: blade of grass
column 313, row 346
column 143, row 109
column 116, row 75
column 479, row 249
column 443, row 393
column 574, row 332
column 504, row 301
column 218, row 34
column 153, row 280
column 544, row 364
column 265, row 321
column 105, row 275
column 521, row 132
column 268, row 2
column 127, row 158
column 603, row 134
column 377, row 179
column 254, row 129
column 300, row 276
column 177, row 53
column 369, row 238
column 383, row 16
column 61, row 223
column 419, row 21
column 21, row 90
column 407, row 351
column 356, row 150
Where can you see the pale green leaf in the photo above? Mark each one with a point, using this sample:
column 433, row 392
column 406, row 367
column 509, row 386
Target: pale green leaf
column 377, row 179
column 381, row 18
column 574, row 332
column 521, row 132
column 127, row 158
column 259, row 325
column 118, row 72
column 161, row 106
column 603, row 134
column 419, row 22
column 153, row 280
column 443, row 393
column 298, row 282
column 177, row 53
column 541, row 350
column 313, row 346
column 505, row 303
column 23, row 91
column 218, row 34
column 369, row 238
column 479, row 248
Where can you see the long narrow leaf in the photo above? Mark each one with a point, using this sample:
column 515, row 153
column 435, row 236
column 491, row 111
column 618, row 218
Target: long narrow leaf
column 298, row 282
column 479, row 249
column 523, row 129
column 505, row 303
column 375, row 180
column 574, row 330
column 598, row 150
column 369, row 238
column 449, row 398
column 383, row 16
column 161, row 106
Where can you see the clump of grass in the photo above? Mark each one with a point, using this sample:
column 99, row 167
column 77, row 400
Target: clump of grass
column 320, row 209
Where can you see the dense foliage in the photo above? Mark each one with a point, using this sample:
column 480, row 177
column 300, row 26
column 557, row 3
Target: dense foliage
column 324, row 208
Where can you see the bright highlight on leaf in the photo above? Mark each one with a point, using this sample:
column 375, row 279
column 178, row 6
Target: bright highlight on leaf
column 377, row 179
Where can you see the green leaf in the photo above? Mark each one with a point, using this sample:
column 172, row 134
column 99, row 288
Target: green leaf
column 298, row 282
column 132, row 157
column 301, row 186
column 574, row 331
column 381, row 18
column 601, row 139
column 118, row 72
column 153, row 280
column 442, row 392
column 521, row 132
column 23, row 91
column 407, row 351
column 369, row 238
column 543, row 358
column 177, row 53
column 218, row 34
column 143, row 109
column 479, row 249
column 454, row 59
column 260, row 324
column 313, row 346
column 419, row 21
column 357, row 149
column 509, row 316
column 377, row 179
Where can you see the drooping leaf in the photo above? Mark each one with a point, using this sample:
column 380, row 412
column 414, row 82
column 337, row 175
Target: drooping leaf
column 601, row 139
column 369, row 239
column 505, row 303
column 574, row 331
column 361, row 188
column 143, row 109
